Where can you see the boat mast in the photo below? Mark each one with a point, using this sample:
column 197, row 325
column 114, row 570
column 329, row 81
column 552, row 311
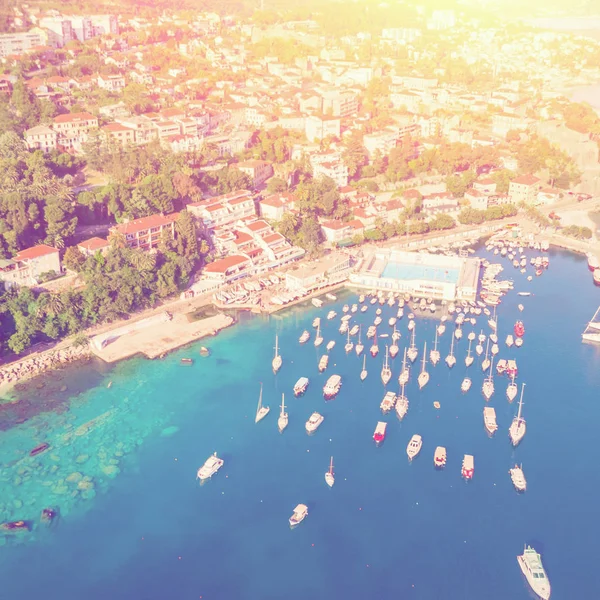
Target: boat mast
column 412, row 343
column 469, row 350
column 520, row 404
column 276, row 345
column 424, row 357
column 436, row 338
column 260, row 398
column 282, row 405
column 452, row 347
column 386, row 358
column 364, row 362
column 331, row 466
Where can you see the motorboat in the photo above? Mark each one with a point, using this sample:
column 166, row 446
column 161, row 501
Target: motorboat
column 531, row 566
column 388, row 402
column 301, row 386
column 314, row 421
column 439, row 457
column 519, row 329
column 212, row 464
column 332, row 387
column 518, row 478
column 331, row 315
column 300, row 513
column 465, row 386
column 304, row 337
column 379, row 434
column 330, row 345
column 468, row 466
column 489, row 419
column 414, row 446
column 323, row 362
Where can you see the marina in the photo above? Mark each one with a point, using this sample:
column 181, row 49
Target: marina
column 415, row 489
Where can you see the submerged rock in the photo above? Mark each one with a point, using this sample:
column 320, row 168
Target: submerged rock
column 86, row 485
column 111, row 470
column 169, row 431
column 75, row 477
column 82, row 458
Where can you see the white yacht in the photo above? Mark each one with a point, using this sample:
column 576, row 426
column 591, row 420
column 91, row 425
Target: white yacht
column 405, row 373
column 489, row 419
column 465, row 386
column 304, row 337
column 531, row 565
column 318, row 337
column 261, row 411
column 518, row 478
column 313, row 422
column 386, row 372
column 414, row 446
column 394, row 349
column 277, row 360
column 471, row 336
column 354, row 330
column 329, row 476
column 300, row 386
column 300, row 513
column 282, row 421
column 479, row 349
column 458, row 333
column 330, row 345
column 518, row 427
column 371, row 331
column 440, row 329
column 210, row 467
column 451, row 359
column 434, row 355
column 485, row 365
column 331, row 315
column 488, row 385
column 332, row 387
column 423, row 378
column 363, row 373
column 401, row 404
column 396, row 335
column 494, row 350
column 509, row 340
column 316, row 322
column 512, row 390
column 388, row 402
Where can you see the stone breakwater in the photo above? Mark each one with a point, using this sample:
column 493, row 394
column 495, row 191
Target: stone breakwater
column 38, row 363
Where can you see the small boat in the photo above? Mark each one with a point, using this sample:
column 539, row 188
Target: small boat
column 501, row 366
column 379, row 434
column 354, row 308
column 434, row 355
column 39, row 449
column 204, row 351
column 361, row 298
column 349, row 345
column 329, row 476
column 451, row 359
column 323, row 362
column 386, row 372
column 212, row 464
column 509, row 340
column 331, row 297
column 304, row 337
column 523, row 293
column 316, row 302
column 405, row 373
column 355, row 329
column 345, row 308
column 469, row 359
column 359, row 345
column 388, row 402
column 414, row 446
column 458, row 333
column 330, row 345
column 331, row 315
column 363, row 373
column 314, row 421
column 468, row 466
column 423, row 378
column 371, row 331
column 11, row 527
column 277, row 360
column 301, row 386
column 531, row 566
column 400, row 313
column 344, row 327
column 518, row 478
column 401, row 404
column 521, row 307
column 512, row 390
column 519, row 342
column 412, row 351
column 488, row 386
column 300, row 513
column 439, row 457
column 519, row 329
column 332, row 387
column 261, row 411
column 392, row 321
column 489, row 419
column 282, row 421
column 187, row 361
column 317, row 322
column 374, row 349
column 518, row 427
column 465, row 386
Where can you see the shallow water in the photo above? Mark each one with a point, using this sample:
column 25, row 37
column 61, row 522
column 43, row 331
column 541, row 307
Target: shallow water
column 149, row 531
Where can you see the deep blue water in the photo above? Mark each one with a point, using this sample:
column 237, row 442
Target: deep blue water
column 387, row 527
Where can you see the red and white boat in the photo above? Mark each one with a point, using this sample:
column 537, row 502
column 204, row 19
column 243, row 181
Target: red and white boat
column 379, row 434
column 501, row 366
column 511, row 368
column 519, row 329
column 593, row 263
column 468, row 466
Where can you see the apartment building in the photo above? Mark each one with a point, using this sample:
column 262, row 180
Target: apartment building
column 119, row 134
column 41, row 138
column 74, row 123
column 26, row 267
column 258, row 171
column 146, row 233
column 383, row 141
column 19, row 43
column 224, row 210
column 524, row 189
column 318, row 128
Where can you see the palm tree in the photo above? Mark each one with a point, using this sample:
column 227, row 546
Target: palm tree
column 50, row 304
column 142, row 261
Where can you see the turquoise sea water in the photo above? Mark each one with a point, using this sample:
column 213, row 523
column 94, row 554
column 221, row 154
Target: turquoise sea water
column 148, row 531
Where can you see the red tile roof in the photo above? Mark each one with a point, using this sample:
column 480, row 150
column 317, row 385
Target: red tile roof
column 35, row 252
column 116, row 127
column 145, row 223
column 93, row 244
column 526, row 179
column 336, row 225
column 73, row 117
column 258, row 226
column 273, row 238
column 222, row 265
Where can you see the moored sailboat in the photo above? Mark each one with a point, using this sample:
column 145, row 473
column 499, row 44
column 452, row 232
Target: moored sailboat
column 405, row 373
column 469, row 359
column 488, row 385
column 423, row 375
column 401, row 404
column 434, row 355
column 282, row 421
column 412, row 351
column 349, row 345
column 512, row 390
column 329, row 476
column 386, row 372
column 359, row 345
column 363, row 373
column 485, row 365
column 518, row 427
column 261, row 411
column 374, row 350
column 318, row 337
column 277, row 360
column 451, row 359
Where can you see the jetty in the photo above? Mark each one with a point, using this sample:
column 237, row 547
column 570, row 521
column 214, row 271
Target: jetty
column 592, row 331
